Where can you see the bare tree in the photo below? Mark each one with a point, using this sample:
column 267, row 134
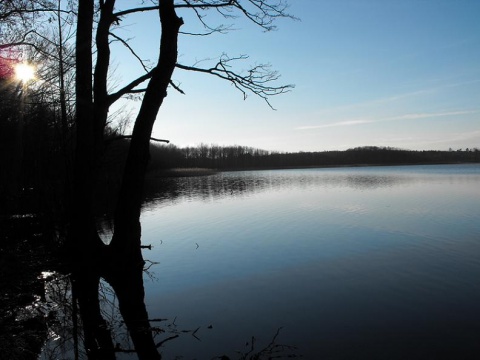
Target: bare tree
column 121, row 262
column 92, row 110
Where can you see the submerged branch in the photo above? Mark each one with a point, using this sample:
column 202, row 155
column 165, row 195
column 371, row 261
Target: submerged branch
column 166, row 340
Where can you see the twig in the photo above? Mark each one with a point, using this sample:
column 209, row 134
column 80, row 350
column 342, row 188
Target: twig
column 122, row 137
column 165, row 340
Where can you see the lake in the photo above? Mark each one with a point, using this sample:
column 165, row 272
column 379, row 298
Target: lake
column 352, row 263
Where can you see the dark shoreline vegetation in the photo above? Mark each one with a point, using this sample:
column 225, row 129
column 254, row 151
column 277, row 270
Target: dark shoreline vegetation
column 170, row 160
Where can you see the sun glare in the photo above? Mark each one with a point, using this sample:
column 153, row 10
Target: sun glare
column 24, row 72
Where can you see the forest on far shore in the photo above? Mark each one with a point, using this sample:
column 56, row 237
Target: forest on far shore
column 243, row 157
column 167, row 157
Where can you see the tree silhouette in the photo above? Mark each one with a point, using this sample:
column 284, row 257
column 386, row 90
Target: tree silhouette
column 92, row 111
column 30, row 26
column 121, row 262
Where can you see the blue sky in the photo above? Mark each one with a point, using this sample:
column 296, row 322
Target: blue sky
column 366, row 72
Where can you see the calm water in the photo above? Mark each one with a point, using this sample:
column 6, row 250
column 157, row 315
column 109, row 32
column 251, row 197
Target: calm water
column 353, row 263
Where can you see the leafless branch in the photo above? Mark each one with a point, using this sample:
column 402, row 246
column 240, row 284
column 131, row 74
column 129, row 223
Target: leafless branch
column 205, row 4
column 200, row 17
column 130, row 87
column 21, row 11
column 261, row 12
column 176, row 87
column 255, row 80
column 122, row 137
column 134, row 10
column 221, row 29
column 125, row 43
column 137, row 91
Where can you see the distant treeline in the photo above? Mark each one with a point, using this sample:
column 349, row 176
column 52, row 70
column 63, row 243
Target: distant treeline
column 243, row 157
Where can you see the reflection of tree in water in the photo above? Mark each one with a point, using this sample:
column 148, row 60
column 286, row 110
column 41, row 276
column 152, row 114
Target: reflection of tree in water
column 110, row 330
column 127, row 284
column 245, row 183
column 101, row 334
column 64, row 330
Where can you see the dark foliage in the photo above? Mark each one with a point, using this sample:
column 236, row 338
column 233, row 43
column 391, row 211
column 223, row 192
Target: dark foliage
column 243, row 157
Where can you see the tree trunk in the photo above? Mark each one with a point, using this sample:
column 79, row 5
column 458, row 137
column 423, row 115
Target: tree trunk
column 100, row 77
column 120, row 263
column 83, row 238
column 126, row 240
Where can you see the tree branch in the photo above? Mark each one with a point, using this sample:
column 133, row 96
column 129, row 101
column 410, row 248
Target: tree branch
column 206, row 4
column 176, row 87
column 23, row 42
column 129, row 88
column 222, row 29
column 123, row 137
column 261, row 12
column 125, row 43
column 20, row 12
column 134, row 10
column 256, row 80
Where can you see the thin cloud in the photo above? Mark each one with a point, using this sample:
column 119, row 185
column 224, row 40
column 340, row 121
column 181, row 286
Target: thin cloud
column 412, row 116
column 340, row 123
column 415, row 116
column 375, row 102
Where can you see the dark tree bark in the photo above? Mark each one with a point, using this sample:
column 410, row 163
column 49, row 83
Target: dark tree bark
column 82, row 235
column 127, row 261
column 126, row 239
column 100, row 78
column 120, row 263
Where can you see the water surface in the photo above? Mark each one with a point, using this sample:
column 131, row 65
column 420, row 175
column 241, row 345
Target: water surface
column 372, row 262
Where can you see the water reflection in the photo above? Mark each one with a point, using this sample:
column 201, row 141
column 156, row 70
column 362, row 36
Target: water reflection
column 97, row 327
column 246, row 183
column 356, row 263
column 115, row 325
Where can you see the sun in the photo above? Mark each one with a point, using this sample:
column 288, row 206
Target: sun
column 24, row 72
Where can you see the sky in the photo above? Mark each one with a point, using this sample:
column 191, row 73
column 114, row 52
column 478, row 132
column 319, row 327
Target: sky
column 396, row 73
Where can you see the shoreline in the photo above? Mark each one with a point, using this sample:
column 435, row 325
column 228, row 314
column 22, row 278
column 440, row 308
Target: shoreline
column 192, row 172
